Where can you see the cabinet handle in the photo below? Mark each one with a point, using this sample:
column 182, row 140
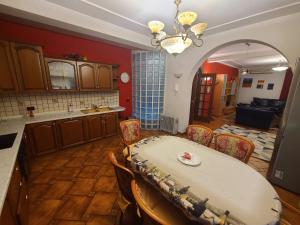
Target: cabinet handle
column 26, row 197
column 17, row 168
column 20, row 183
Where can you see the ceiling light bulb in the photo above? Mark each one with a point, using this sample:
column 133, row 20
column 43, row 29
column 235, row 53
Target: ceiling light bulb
column 161, row 35
column 173, row 45
column 279, row 68
column 155, row 27
column 198, row 29
column 187, row 18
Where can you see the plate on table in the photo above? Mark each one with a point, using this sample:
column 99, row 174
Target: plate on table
column 189, row 159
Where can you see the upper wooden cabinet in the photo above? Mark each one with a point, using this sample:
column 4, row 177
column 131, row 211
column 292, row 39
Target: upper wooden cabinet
column 62, row 74
column 29, row 66
column 94, row 76
column 87, row 75
column 8, row 81
column 105, row 80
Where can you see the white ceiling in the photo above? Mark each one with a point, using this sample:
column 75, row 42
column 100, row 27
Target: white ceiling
column 254, row 56
column 220, row 15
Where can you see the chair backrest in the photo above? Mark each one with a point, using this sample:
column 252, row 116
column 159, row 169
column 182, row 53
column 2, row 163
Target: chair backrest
column 131, row 131
column 148, row 216
column 234, row 145
column 200, row 134
column 124, row 177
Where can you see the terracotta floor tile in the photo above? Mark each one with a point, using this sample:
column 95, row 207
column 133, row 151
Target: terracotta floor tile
column 68, row 222
column 73, row 208
column 101, row 220
column 68, row 174
column 44, row 212
column 93, row 160
column 89, row 172
column 58, row 189
column 75, row 162
column 102, row 203
column 39, row 166
column 80, row 153
column 36, row 191
column 107, row 170
column 82, row 187
column 58, row 163
column 45, row 177
column 105, row 184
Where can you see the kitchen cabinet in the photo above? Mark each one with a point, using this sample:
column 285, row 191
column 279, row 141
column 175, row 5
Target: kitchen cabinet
column 110, row 124
column 62, row 74
column 95, row 127
column 43, row 137
column 105, row 79
column 87, row 75
column 71, row 132
column 6, row 217
column 8, row 79
column 23, row 205
column 29, row 67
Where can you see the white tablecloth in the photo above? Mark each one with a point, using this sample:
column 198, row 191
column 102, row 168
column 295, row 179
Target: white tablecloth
column 228, row 183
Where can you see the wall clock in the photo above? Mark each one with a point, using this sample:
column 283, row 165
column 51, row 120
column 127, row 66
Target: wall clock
column 124, row 77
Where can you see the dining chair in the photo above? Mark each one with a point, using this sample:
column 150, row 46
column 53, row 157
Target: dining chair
column 126, row 200
column 162, row 212
column 235, row 146
column 200, row 134
column 131, row 133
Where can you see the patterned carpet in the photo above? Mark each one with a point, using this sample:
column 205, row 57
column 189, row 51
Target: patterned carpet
column 263, row 141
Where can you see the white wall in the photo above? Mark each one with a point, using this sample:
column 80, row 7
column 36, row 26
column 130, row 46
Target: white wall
column 283, row 33
column 245, row 95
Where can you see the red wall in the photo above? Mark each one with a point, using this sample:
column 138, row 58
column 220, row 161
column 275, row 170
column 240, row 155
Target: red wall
column 57, row 44
column 219, row 68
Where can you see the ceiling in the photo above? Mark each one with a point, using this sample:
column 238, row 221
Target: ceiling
column 221, row 15
column 252, row 56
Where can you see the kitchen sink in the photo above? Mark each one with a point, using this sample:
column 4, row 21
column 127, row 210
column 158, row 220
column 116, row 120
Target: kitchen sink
column 7, row 140
column 94, row 110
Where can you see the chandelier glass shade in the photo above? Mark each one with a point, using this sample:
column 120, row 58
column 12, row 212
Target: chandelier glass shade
column 186, row 34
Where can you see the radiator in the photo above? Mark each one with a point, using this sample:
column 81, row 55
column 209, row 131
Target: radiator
column 168, row 124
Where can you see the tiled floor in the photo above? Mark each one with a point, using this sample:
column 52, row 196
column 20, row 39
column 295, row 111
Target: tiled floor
column 77, row 186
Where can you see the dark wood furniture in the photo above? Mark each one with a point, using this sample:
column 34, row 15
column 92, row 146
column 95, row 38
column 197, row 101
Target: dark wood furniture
column 15, row 208
column 8, row 79
column 95, row 127
column 71, row 132
column 42, row 137
column 29, row 66
column 87, row 73
column 105, row 77
column 62, row 74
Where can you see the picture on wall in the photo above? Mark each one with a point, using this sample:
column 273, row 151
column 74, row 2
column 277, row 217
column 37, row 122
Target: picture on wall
column 270, row 86
column 247, row 82
column 260, row 84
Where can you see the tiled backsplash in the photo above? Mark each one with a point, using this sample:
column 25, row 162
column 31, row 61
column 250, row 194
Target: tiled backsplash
column 12, row 105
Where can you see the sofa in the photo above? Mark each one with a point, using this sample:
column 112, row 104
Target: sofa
column 260, row 113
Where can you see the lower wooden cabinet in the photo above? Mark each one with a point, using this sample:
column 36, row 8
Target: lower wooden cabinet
column 111, row 124
column 43, row 137
column 95, row 127
column 71, row 132
column 7, row 217
column 23, row 205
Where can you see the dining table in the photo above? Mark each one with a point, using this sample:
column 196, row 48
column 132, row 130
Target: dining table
column 221, row 182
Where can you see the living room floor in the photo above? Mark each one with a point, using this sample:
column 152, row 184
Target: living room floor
column 80, row 188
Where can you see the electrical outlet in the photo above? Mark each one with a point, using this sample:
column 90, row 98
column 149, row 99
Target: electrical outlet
column 279, row 174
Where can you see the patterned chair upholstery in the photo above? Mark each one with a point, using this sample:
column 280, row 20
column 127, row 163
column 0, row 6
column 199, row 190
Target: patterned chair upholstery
column 200, row 134
column 235, row 146
column 131, row 131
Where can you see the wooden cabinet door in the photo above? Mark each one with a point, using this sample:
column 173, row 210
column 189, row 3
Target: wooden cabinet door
column 71, row 132
column 87, row 75
column 8, row 79
column 95, row 127
column 22, row 211
column 105, row 76
column 6, row 217
column 111, row 124
column 62, row 74
column 29, row 65
column 43, row 137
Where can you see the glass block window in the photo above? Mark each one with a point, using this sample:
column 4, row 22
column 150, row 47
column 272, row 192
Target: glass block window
column 148, row 81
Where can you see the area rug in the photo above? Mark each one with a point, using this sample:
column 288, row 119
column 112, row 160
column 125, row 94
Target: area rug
column 263, row 141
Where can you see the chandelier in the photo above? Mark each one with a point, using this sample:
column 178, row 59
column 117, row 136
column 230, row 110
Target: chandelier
column 185, row 35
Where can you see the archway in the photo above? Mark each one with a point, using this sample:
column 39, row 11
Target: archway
column 202, row 102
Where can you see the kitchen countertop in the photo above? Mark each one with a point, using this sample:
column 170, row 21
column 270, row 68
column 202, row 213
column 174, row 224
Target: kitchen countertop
column 16, row 125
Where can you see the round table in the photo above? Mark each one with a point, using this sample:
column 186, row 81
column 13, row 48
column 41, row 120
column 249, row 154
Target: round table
column 228, row 183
